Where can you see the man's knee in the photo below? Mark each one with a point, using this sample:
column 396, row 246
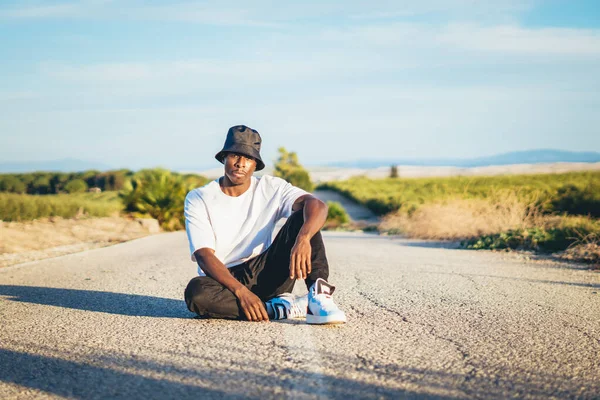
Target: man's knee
column 197, row 296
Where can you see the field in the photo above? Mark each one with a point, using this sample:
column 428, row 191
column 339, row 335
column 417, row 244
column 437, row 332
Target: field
column 544, row 212
column 574, row 192
column 25, row 207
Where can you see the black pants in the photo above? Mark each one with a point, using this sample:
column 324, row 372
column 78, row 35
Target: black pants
column 267, row 275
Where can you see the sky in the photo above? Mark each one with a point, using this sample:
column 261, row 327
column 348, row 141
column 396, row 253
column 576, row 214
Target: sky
column 136, row 84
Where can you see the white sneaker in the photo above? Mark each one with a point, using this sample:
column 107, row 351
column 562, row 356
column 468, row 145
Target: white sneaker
column 321, row 308
column 287, row 306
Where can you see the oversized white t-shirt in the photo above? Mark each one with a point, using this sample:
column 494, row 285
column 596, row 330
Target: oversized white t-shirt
column 237, row 228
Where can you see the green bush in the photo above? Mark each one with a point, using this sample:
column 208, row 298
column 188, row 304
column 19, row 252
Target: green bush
column 12, row 184
column 576, row 200
column 76, row 186
column 336, row 214
column 194, row 180
column 543, row 239
column 289, row 168
column 160, row 194
column 300, row 178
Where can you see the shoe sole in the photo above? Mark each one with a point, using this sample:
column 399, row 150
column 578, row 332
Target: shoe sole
column 316, row 320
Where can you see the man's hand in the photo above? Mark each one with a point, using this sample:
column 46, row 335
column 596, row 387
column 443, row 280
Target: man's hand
column 252, row 305
column 300, row 265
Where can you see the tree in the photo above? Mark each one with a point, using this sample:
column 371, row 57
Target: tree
column 59, row 181
column 76, row 186
column 41, row 185
column 90, row 177
column 12, row 184
column 289, row 168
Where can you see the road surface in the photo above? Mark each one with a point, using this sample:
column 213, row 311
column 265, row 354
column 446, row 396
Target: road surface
column 423, row 321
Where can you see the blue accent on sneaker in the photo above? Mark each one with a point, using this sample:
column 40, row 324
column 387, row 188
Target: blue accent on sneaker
column 287, row 306
column 321, row 308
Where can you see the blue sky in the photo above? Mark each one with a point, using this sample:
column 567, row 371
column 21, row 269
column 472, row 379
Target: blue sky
column 146, row 83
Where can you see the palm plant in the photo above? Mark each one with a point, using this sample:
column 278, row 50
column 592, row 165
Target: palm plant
column 159, row 194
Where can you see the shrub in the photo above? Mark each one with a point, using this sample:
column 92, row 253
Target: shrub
column 336, row 214
column 555, row 234
column 576, row 200
column 288, row 167
column 157, row 193
column 300, row 178
column 12, row 184
column 194, row 180
column 76, row 186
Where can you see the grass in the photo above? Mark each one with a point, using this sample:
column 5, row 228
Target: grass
column 577, row 193
column 24, row 207
column 545, row 213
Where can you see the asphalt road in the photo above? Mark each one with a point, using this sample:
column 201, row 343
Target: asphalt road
column 423, row 321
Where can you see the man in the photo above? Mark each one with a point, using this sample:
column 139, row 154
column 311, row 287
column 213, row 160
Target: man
column 243, row 272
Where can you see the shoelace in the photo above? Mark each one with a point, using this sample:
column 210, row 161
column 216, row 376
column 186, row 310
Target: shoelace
column 296, row 310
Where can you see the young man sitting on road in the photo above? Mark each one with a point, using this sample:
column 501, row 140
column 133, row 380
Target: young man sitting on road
column 244, row 273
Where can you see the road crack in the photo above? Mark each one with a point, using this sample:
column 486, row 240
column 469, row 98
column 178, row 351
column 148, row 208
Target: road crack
column 465, row 357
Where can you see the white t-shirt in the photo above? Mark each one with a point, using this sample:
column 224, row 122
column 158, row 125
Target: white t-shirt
column 237, row 228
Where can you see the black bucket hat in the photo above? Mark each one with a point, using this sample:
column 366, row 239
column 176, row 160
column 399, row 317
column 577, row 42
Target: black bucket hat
column 243, row 140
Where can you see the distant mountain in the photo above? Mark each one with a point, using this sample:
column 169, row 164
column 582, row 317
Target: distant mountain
column 515, row 157
column 65, row 165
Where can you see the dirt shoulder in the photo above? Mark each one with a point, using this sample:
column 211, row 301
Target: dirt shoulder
column 51, row 237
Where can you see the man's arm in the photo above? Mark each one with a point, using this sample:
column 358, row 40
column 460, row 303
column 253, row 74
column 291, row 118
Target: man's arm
column 251, row 304
column 315, row 215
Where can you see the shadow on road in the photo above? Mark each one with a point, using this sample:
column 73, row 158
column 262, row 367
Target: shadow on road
column 78, row 380
column 91, row 300
column 215, row 375
column 199, row 381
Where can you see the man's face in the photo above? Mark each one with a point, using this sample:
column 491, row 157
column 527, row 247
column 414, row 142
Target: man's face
column 239, row 168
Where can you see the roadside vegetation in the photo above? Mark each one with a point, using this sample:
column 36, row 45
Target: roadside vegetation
column 61, row 182
column 151, row 193
column 160, row 194
column 25, row 207
column 289, row 168
column 545, row 213
column 337, row 217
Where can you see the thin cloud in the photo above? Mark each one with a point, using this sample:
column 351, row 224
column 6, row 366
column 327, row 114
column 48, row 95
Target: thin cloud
column 498, row 39
column 42, row 10
column 52, row 11
column 458, row 9
column 109, row 9
column 261, row 13
column 515, row 39
column 209, row 72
